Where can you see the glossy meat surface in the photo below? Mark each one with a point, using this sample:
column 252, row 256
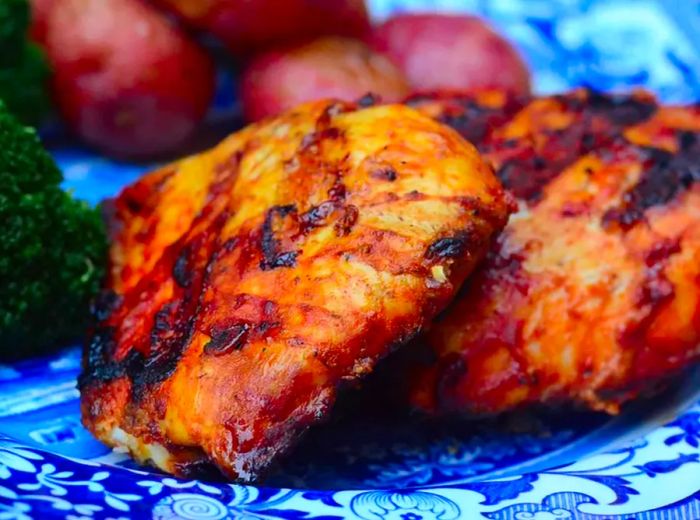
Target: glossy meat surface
column 249, row 282
column 591, row 295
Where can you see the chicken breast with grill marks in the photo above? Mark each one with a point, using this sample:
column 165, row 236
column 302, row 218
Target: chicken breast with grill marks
column 591, row 295
column 249, row 282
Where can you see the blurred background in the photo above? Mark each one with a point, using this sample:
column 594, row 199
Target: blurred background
column 133, row 83
column 607, row 44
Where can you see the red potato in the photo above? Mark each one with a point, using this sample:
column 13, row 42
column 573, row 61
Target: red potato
column 439, row 51
column 325, row 68
column 125, row 79
column 245, row 26
column 40, row 14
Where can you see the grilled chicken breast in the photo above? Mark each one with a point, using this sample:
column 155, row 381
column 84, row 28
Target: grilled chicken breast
column 248, row 282
column 591, row 295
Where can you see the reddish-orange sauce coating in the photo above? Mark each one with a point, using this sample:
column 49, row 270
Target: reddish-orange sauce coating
column 591, row 295
column 249, row 282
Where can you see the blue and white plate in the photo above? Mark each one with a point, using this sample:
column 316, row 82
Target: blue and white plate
column 642, row 465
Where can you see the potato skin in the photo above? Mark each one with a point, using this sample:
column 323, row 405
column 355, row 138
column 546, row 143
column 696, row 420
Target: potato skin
column 245, row 26
column 126, row 80
column 334, row 67
column 437, row 51
column 40, row 13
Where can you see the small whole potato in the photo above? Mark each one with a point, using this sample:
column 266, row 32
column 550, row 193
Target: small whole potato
column 440, row 51
column 246, row 26
column 329, row 67
column 125, row 79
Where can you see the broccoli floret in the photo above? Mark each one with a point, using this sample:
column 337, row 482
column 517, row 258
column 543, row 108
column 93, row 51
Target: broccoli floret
column 23, row 67
column 52, row 248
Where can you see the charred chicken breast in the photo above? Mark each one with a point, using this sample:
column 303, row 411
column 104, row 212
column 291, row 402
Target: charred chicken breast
column 592, row 293
column 247, row 283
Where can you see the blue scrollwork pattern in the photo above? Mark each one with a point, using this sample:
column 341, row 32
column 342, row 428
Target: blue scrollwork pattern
column 404, row 505
column 32, row 485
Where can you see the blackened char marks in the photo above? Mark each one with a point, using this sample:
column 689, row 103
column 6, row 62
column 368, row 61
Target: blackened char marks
column 475, row 122
column 180, row 273
column 315, row 138
column 520, row 177
column 230, row 338
column 163, row 322
column 163, row 357
column 174, row 323
column 284, row 259
column 230, row 332
column 270, row 245
column 448, row 247
column 324, row 129
column 347, row 220
column 316, row 216
column 99, row 364
column 471, row 119
column 598, row 123
column 621, row 109
column 104, row 304
column 526, row 170
column 326, row 117
column 227, row 340
column 666, row 175
column 526, row 176
column 146, row 372
column 385, row 173
column 101, row 367
column 171, row 326
column 166, row 330
column 319, row 215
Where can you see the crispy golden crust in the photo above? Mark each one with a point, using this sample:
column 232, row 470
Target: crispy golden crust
column 250, row 281
column 592, row 293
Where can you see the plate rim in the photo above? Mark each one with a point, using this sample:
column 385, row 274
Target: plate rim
column 656, row 475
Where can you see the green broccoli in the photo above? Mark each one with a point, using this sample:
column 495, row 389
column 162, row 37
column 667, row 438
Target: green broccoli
column 52, row 248
column 23, row 68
